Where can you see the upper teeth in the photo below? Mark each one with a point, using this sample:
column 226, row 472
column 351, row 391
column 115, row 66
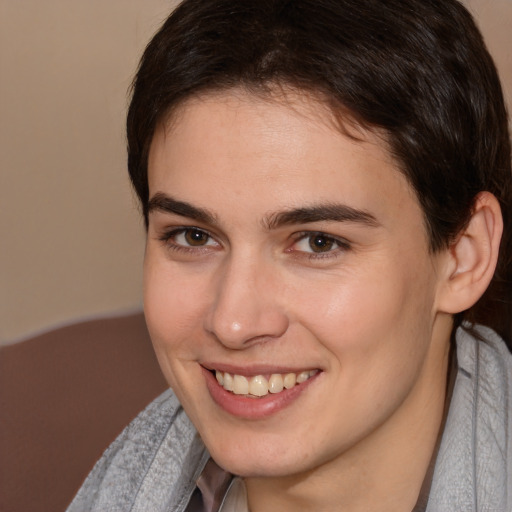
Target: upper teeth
column 259, row 385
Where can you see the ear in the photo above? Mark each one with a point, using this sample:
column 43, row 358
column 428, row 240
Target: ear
column 471, row 259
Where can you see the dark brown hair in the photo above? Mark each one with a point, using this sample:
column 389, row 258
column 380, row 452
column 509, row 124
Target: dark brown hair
column 416, row 69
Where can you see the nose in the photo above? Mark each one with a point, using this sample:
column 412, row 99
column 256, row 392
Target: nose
column 245, row 309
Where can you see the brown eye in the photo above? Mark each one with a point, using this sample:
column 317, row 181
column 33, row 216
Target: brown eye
column 188, row 238
column 318, row 244
column 195, row 237
column 321, row 243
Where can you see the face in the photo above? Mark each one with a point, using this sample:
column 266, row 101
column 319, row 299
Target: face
column 290, row 263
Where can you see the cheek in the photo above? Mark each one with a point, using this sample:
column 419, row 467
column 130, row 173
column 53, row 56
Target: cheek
column 379, row 317
column 377, row 333
column 173, row 309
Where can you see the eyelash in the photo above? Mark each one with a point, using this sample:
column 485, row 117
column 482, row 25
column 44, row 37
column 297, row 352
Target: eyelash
column 342, row 245
column 167, row 238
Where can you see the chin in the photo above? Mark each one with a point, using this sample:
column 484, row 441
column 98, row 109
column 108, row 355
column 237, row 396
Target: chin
column 268, row 456
column 255, row 467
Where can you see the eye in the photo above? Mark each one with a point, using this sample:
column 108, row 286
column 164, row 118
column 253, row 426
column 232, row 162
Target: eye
column 193, row 237
column 319, row 243
column 188, row 239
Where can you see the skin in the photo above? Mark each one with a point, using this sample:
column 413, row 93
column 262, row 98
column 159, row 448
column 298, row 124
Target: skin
column 243, row 289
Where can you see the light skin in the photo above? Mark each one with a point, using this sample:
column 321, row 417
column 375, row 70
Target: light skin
column 275, row 243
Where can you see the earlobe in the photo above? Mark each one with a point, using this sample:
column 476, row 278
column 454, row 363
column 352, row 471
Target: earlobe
column 472, row 258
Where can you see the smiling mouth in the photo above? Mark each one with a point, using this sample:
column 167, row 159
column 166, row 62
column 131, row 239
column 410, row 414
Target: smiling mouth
column 259, row 386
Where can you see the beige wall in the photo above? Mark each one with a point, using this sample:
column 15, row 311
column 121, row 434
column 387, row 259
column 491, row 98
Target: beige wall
column 71, row 240
column 495, row 20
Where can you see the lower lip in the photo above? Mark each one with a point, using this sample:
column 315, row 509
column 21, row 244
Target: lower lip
column 254, row 408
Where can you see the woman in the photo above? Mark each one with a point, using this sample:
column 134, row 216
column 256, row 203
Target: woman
column 325, row 186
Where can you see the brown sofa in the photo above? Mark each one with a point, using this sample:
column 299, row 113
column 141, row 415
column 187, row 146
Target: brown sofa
column 64, row 396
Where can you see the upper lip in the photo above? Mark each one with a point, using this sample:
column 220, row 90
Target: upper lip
column 256, row 369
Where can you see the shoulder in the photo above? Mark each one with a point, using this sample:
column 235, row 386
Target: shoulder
column 485, row 371
column 151, row 464
column 474, row 465
column 484, row 354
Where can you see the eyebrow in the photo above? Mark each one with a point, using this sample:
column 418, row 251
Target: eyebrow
column 332, row 212
column 163, row 203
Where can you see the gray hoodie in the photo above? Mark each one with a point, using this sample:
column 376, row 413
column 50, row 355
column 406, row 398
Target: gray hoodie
column 154, row 464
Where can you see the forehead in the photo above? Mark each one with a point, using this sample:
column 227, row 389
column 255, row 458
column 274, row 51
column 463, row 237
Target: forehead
column 271, row 106
column 277, row 152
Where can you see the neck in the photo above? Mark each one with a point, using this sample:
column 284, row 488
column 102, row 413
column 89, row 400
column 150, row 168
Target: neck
column 385, row 471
